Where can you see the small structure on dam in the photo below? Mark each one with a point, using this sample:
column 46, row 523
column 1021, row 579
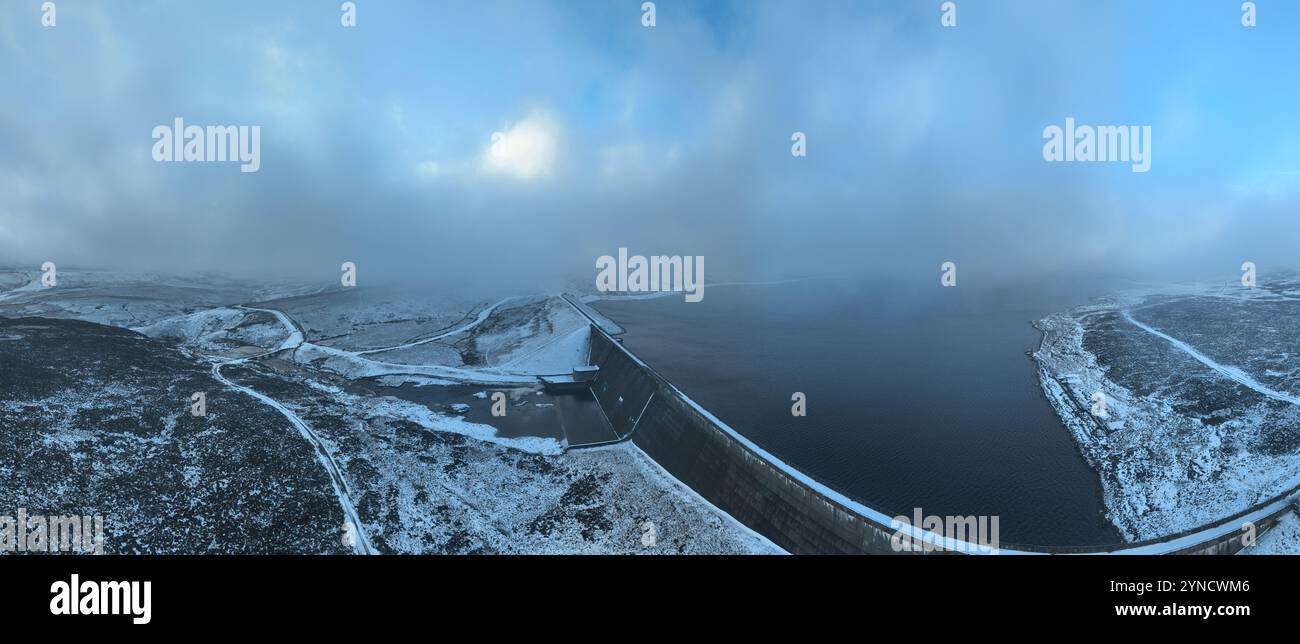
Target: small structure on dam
column 578, row 380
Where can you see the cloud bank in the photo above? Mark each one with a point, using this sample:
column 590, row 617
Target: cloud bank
column 517, row 142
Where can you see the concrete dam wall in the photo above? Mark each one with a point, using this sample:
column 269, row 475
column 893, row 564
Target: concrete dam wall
column 796, row 512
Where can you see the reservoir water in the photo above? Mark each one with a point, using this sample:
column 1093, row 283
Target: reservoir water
column 916, row 397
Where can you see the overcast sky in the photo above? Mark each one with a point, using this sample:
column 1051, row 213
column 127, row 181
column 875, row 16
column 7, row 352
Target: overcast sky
column 924, row 142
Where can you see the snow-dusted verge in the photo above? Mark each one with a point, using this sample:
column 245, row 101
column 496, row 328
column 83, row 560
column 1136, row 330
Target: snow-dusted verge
column 1183, row 452
column 354, row 366
column 390, row 407
column 221, row 329
column 414, row 381
column 761, row 544
column 1282, row 539
column 533, row 335
column 558, row 353
column 196, row 327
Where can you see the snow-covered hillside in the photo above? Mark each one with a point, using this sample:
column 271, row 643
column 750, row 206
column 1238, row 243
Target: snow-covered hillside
column 1200, row 391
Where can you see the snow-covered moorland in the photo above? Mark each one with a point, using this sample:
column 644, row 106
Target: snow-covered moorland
column 1184, row 399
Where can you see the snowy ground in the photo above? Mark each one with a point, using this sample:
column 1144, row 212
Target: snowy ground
column 130, row 299
column 1283, row 539
column 279, row 364
column 1200, row 388
column 429, row 482
column 96, row 422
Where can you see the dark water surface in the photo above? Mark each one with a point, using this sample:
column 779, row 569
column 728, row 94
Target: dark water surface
column 916, row 398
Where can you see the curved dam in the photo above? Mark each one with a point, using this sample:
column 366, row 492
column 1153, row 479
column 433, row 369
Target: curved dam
column 796, row 512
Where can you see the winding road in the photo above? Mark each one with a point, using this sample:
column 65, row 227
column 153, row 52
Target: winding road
column 1234, row 374
column 294, row 340
column 361, row 542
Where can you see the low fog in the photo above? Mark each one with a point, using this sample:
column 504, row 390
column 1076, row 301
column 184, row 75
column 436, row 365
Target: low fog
column 924, row 143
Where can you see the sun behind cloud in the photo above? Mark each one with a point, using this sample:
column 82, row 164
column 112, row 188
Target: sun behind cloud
column 526, row 151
